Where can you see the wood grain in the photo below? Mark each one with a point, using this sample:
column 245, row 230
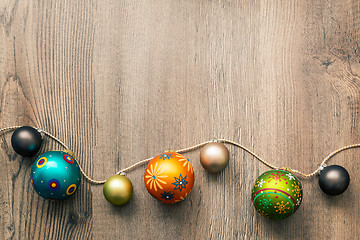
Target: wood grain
column 120, row 81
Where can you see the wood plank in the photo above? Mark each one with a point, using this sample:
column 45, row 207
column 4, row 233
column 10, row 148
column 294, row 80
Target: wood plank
column 120, row 81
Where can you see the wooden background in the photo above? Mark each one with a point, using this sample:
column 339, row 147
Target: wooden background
column 123, row 80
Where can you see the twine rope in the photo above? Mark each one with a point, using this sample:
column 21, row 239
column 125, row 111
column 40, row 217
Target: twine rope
column 192, row 148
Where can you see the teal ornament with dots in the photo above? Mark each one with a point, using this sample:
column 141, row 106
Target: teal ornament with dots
column 55, row 175
column 277, row 194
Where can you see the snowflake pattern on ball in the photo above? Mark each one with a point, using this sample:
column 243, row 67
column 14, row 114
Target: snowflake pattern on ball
column 298, row 201
column 258, row 184
column 290, row 176
column 154, row 176
column 297, row 190
column 277, row 177
column 265, row 202
column 167, row 195
column 186, row 163
column 281, row 207
column 180, row 182
column 165, row 156
column 261, row 183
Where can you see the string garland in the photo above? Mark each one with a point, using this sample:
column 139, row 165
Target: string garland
column 214, row 157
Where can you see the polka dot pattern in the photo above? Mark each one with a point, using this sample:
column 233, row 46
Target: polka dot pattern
column 68, row 159
column 54, row 184
column 71, row 189
column 41, row 162
column 55, row 175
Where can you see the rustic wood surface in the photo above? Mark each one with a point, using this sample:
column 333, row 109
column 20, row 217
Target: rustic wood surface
column 123, row 80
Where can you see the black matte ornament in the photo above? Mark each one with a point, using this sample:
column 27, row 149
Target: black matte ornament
column 334, row 180
column 26, row 141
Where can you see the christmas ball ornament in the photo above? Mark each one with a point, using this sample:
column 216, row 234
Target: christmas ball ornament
column 334, row 180
column 26, row 141
column 118, row 190
column 55, row 175
column 169, row 177
column 277, row 194
column 214, row 157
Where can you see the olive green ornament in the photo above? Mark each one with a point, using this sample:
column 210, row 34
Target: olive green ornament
column 277, row 194
column 118, row 190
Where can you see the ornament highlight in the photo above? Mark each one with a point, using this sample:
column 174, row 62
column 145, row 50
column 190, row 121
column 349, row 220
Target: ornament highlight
column 334, row 180
column 214, row 157
column 169, row 177
column 26, row 141
column 277, row 194
column 118, row 190
column 55, row 175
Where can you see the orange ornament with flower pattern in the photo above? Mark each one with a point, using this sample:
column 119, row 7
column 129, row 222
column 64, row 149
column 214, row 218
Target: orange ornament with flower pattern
column 169, row 177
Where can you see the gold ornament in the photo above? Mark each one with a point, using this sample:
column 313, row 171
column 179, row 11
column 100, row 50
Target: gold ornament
column 118, row 190
column 214, row 157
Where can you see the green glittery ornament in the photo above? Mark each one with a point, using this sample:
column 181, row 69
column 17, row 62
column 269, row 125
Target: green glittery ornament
column 277, row 194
